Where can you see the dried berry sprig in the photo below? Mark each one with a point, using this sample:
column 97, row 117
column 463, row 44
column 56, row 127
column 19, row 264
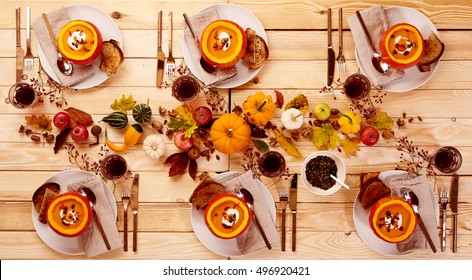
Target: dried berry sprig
column 366, row 107
column 178, row 71
column 215, row 100
column 413, row 159
column 250, row 162
column 46, row 88
column 331, row 89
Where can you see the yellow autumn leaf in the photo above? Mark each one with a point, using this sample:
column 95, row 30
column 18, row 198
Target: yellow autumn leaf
column 186, row 113
column 300, row 102
column 325, row 137
column 351, row 146
column 350, row 122
column 381, row 121
column 39, row 122
column 285, row 144
column 123, row 104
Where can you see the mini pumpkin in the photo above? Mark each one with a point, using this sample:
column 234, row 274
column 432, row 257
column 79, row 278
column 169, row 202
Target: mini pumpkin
column 230, row 134
column 142, row 113
column 259, row 108
column 154, row 146
column 292, row 118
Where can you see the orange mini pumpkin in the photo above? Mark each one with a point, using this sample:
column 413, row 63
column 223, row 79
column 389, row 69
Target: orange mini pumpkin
column 223, row 43
column 402, row 46
column 227, row 216
column 80, row 42
column 230, row 134
column 259, row 108
column 69, row 214
column 392, row 219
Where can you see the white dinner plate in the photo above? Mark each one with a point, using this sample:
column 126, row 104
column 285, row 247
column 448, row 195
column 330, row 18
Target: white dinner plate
column 109, row 30
column 413, row 77
column 67, row 245
column 225, row 247
column 361, row 222
column 245, row 19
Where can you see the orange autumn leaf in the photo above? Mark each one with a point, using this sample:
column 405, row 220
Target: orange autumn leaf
column 351, row 146
column 39, row 122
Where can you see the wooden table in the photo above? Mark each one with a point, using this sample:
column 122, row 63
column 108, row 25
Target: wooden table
column 297, row 34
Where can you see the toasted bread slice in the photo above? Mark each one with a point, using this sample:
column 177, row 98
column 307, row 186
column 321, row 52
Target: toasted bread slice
column 433, row 50
column 48, row 196
column 205, row 192
column 39, row 193
column 257, row 51
column 112, row 57
column 374, row 191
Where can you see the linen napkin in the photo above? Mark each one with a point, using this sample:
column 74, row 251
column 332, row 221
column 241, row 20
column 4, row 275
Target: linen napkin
column 57, row 19
column 251, row 240
column 420, row 186
column 92, row 239
column 376, row 22
column 199, row 22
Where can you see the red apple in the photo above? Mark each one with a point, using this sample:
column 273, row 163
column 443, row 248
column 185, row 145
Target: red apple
column 181, row 142
column 61, row 120
column 202, row 115
column 79, row 133
column 194, row 153
column 369, row 135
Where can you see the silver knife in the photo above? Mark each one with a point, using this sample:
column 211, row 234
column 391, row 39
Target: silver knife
column 19, row 51
column 160, row 53
column 293, row 206
column 453, row 206
column 134, row 206
column 331, row 55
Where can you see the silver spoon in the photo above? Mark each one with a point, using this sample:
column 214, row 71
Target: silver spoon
column 205, row 65
column 63, row 64
column 410, row 197
column 377, row 61
column 90, row 196
column 245, row 195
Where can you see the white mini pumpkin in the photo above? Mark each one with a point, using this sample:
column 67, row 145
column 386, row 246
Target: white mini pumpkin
column 292, row 118
column 154, row 146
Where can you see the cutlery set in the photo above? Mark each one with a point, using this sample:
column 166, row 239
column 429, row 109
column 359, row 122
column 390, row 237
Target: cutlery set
column 24, row 62
column 292, row 201
column 340, row 61
column 130, row 201
column 449, row 195
column 161, row 60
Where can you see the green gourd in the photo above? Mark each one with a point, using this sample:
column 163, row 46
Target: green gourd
column 116, row 119
column 142, row 113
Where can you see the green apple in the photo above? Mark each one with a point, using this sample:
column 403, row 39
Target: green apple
column 322, row 111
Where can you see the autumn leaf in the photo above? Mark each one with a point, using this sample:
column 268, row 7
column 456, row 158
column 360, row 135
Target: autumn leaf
column 39, row 122
column 260, row 145
column 79, row 116
column 351, row 146
column 350, row 122
column 279, row 99
column 124, row 104
column 186, row 113
column 325, row 137
column 300, row 102
column 183, row 120
column 381, row 121
column 286, row 144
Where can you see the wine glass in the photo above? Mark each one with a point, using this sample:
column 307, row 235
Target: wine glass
column 447, row 159
column 114, row 167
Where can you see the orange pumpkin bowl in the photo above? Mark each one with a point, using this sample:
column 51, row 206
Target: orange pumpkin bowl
column 402, row 46
column 69, row 214
column 223, row 43
column 227, row 216
column 392, row 219
column 80, row 42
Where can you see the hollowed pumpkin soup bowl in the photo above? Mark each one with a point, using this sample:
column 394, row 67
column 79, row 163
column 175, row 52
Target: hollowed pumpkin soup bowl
column 80, row 42
column 227, row 216
column 69, row 214
column 392, row 219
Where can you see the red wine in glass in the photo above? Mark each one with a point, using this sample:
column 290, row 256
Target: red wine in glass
column 448, row 159
column 272, row 164
column 185, row 88
column 357, row 86
column 21, row 95
column 113, row 167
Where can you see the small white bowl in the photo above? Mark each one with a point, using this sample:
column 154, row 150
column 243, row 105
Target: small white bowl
column 341, row 174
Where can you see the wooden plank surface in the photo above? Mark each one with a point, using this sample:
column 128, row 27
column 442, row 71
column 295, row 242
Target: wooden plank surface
column 297, row 38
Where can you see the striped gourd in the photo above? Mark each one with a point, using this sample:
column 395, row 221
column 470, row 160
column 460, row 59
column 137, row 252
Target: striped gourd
column 116, row 119
column 142, row 113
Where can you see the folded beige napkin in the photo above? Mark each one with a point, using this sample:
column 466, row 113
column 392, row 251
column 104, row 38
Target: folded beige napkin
column 57, row 19
column 199, row 22
column 421, row 187
column 92, row 239
column 376, row 22
column 252, row 240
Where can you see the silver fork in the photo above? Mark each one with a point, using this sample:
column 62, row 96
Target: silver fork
column 28, row 59
column 170, row 59
column 125, row 199
column 340, row 60
column 283, row 204
column 444, row 199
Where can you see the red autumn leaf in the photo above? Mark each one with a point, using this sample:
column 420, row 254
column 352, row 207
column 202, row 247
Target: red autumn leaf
column 179, row 166
column 174, row 158
column 61, row 139
column 79, row 116
column 192, row 169
column 279, row 99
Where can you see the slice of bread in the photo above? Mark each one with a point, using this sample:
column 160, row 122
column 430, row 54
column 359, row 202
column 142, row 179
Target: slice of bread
column 433, row 50
column 257, row 51
column 48, row 196
column 39, row 193
column 205, row 192
column 112, row 57
column 372, row 189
